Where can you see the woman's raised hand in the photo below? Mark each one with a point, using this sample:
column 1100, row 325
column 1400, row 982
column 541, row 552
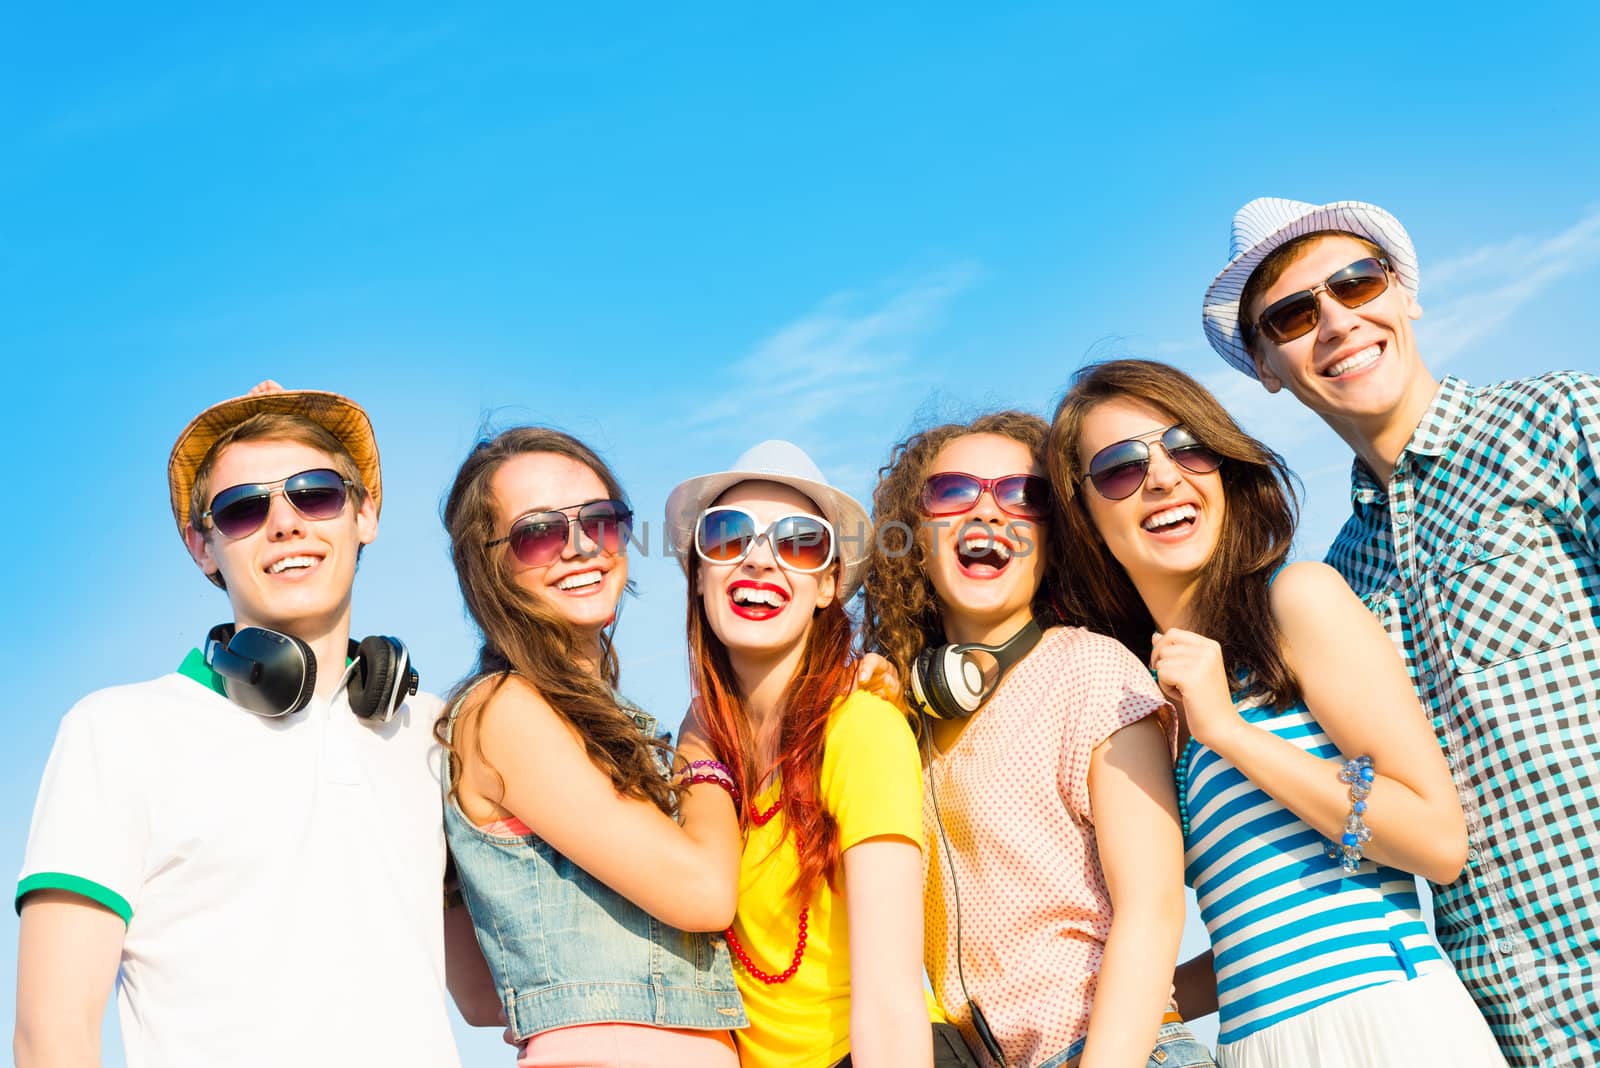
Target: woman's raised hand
column 1190, row 670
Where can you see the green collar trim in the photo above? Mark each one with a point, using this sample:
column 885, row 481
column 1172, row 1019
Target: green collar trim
column 194, row 667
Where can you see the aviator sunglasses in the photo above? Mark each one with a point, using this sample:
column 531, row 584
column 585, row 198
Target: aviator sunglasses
column 539, row 538
column 956, row 492
column 1296, row 315
column 802, row 543
column 1119, row 469
column 241, row 510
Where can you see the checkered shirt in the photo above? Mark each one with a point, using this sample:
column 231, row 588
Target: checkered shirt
column 1482, row 558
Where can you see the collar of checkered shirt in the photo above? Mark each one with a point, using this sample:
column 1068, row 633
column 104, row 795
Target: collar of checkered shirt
column 1436, row 430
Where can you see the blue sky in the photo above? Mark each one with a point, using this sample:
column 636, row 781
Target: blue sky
column 677, row 232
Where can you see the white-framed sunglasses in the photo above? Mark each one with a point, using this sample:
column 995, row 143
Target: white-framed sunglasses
column 800, row 542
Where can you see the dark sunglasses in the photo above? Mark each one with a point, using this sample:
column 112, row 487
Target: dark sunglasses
column 1118, row 470
column 956, row 492
column 241, row 510
column 801, row 543
column 539, row 538
column 1296, row 315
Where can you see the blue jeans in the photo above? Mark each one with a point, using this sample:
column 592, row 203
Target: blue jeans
column 1176, row 1047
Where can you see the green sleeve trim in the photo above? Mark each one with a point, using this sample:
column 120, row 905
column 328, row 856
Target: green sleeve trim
column 194, row 667
column 77, row 884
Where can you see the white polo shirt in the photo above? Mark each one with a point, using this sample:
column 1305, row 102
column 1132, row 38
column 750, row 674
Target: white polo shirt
column 281, row 879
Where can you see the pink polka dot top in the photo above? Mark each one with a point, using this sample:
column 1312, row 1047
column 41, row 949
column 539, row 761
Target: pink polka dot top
column 1019, row 838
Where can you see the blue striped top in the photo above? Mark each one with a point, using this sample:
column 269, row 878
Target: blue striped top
column 1289, row 929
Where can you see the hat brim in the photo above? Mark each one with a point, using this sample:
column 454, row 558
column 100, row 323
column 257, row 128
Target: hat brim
column 851, row 524
column 340, row 416
column 1221, row 309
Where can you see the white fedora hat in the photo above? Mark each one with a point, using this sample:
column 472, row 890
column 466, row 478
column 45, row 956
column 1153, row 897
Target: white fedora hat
column 785, row 463
column 1268, row 222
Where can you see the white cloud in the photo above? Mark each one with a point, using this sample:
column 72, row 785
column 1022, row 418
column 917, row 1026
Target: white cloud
column 1482, row 289
column 843, row 358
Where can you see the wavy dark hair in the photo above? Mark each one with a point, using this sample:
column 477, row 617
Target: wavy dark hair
column 523, row 636
column 1232, row 605
column 901, row 612
column 826, row 673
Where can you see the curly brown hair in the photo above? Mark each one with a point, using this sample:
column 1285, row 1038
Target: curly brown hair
column 1232, row 605
column 522, row 636
column 901, row 611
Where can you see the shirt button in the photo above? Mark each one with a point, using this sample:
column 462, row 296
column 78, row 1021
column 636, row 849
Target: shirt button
column 1504, row 946
column 1402, row 520
column 1472, row 855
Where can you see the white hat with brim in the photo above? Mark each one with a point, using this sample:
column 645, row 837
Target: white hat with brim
column 787, row 464
column 1265, row 224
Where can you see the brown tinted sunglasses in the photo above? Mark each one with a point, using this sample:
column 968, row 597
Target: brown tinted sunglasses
column 1297, row 314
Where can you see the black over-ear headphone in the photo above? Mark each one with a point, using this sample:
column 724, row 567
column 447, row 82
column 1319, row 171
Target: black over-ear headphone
column 947, row 680
column 275, row 674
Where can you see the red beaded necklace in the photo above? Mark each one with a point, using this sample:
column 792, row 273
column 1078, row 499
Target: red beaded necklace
column 760, row 819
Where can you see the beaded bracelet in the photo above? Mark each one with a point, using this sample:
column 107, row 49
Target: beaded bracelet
column 726, row 784
column 719, row 773
column 715, row 765
column 1347, row 851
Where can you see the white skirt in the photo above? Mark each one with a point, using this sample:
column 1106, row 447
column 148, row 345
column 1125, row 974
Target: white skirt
column 1416, row 1023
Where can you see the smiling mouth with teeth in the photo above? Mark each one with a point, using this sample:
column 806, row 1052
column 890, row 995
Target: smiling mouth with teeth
column 984, row 552
column 1183, row 515
column 1365, row 358
column 581, row 581
column 292, row 563
column 749, row 596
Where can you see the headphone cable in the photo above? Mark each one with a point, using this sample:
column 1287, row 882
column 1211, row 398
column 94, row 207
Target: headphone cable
column 979, row 1024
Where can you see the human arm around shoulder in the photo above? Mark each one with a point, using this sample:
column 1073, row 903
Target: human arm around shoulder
column 1354, row 684
column 872, row 784
column 1135, row 808
column 466, row 973
column 538, row 770
column 68, row 951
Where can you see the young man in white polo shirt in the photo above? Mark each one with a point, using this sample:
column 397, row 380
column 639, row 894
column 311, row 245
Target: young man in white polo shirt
column 252, row 844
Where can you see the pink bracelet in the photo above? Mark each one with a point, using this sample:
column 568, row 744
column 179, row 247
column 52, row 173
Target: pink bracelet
column 715, row 765
column 721, row 780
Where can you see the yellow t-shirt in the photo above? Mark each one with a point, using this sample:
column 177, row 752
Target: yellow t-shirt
column 872, row 784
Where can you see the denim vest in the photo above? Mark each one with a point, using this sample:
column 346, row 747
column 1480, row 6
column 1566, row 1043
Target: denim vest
column 565, row 949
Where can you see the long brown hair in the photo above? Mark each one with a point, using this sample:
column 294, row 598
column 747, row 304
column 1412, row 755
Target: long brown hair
column 902, row 611
column 1232, row 605
column 523, row 636
column 826, row 674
